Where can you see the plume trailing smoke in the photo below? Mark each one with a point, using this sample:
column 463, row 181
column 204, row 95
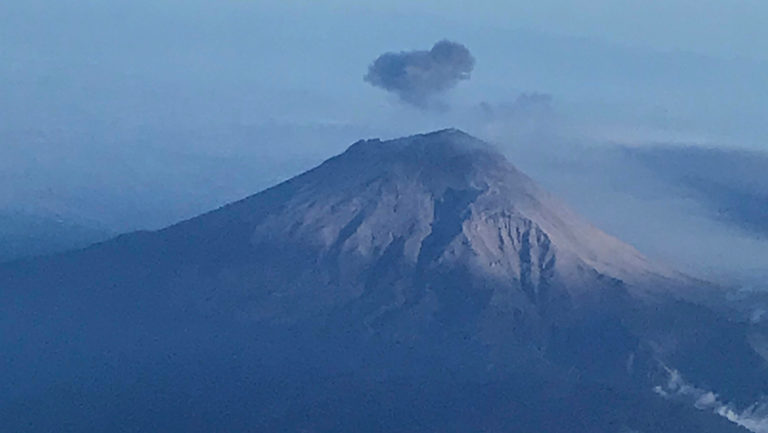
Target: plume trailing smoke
column 417, row 77
column 753, row 418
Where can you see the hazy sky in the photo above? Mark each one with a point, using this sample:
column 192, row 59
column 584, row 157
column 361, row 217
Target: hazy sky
column 727, row 28
column 691, row 66
column 137, row 113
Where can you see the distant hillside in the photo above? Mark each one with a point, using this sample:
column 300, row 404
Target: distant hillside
column 26, row 235
column 732, row 184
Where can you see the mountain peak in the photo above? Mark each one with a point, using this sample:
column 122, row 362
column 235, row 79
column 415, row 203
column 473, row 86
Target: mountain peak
column 451, row 133
column 444, row 143
column 428, row 204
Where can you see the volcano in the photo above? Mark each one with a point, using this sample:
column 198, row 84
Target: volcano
column 418, row 284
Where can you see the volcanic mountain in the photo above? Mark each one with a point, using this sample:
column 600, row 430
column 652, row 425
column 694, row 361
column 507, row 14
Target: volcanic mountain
column 418, row 284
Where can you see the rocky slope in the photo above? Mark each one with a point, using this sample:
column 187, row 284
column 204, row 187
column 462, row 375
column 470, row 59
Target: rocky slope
column 419, row 284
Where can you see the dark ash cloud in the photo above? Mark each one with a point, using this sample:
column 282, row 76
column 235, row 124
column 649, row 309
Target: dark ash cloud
column 416, row 77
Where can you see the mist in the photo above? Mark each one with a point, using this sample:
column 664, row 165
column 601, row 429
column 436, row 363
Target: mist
column 134, row 115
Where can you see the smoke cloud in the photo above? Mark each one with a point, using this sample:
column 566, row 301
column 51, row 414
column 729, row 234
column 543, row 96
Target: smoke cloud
column 417, row 77
column 753, row 418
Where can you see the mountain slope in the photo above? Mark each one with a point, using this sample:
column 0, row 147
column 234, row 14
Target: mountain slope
column 24, row 234
column 409, row 276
